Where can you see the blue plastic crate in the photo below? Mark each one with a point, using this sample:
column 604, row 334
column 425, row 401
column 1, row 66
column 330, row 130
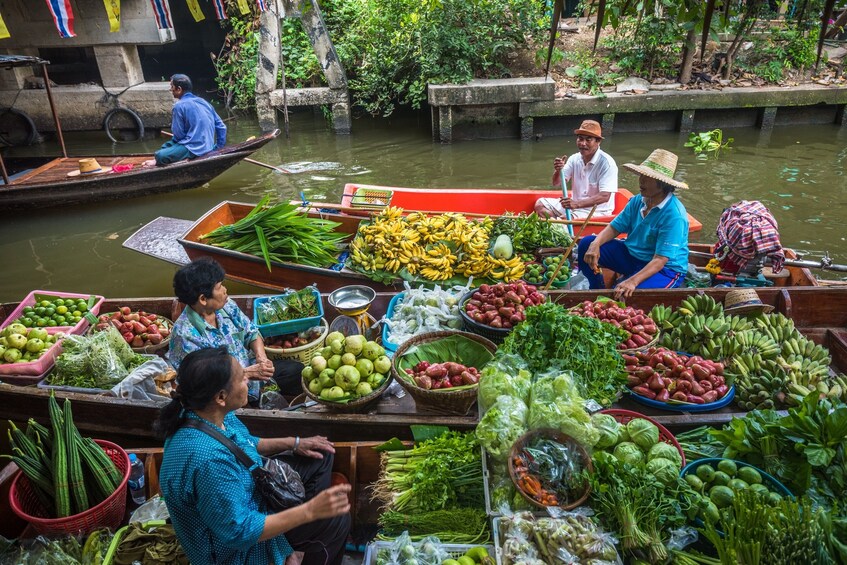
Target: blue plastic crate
column 289, row 326
column 390, row 346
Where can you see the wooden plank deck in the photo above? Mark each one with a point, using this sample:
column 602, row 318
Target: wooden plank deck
column 56, row 171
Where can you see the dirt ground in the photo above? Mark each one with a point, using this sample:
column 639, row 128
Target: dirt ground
column 577, row 36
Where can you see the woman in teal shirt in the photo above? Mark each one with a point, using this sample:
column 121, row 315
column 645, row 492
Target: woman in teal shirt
column 655, row 252
column 218, row 515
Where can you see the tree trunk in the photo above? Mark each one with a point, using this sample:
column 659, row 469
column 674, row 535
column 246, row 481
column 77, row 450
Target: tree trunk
column 688, row 52
column 835, row 28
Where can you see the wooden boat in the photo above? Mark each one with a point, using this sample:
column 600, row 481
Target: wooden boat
column 44, row 181
column 361, row 198
column 252, row 269
column 820, row 313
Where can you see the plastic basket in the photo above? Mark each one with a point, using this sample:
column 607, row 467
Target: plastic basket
column 497, row 335
column 30, row 300
column 304, row 353
column 625, row 416
column 108, row 514
column 289, row 326
column 672, row 407
column 455, row 550
column 371, row 198
column 768, row 480
column 34, row 371
column 388, row 345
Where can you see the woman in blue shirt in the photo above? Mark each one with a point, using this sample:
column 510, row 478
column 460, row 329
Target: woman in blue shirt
column 218, row 515
column 655, row 252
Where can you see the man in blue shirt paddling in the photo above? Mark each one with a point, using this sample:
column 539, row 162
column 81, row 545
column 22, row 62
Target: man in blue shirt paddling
column 197, row 128
column 655, row 252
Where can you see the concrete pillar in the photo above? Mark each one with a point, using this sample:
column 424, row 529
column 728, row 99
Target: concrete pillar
column 768, row 118
column 608, row 124
column 119, row 65
column 686, row 122
column 433, row 118
column 527, row 129
column 445, row 124
column 267, row 69
column 841, row 116
column 315, row 28
column 15, row 78
column 341, row 122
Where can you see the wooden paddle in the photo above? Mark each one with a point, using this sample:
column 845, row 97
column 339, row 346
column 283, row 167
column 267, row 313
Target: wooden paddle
column 340, row 208
column 249, row 160
column 567, row 252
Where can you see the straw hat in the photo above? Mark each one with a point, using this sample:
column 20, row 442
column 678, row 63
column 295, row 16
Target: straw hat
column 590, row 127
column 89, row 166
column 743, row 300
column 660, row 165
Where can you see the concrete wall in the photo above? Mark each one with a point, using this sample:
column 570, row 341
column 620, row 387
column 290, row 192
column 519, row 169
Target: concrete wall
column 31, row 25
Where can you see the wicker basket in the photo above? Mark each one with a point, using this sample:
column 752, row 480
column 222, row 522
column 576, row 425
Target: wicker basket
column 109, row 513
column 148, row 349
column 497, row 335
column 561, row 438
column 358, row 405
column 304, row 353
column 444, row 401
column 624, row 416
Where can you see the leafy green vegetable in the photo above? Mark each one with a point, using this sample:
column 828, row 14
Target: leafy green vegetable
column 585, row 346
column 529, row 232
column 98, row 361
column 505, row 374
column 501, row 426
column 555, row 403
column 665, row 451
column 643, row 433
column 609, row 429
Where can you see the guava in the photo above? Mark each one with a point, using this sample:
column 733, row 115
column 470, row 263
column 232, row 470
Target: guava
column 326, row 352
column 17, row 328
column 354, row 344
column 363, row 389
column 327, row 378
column 318, row 363
column 11, row 355
column 372, row 350
column 2, row 351
column 37, row 333
column 348, row 359
column 382, row 365
column 16, row 340
column 308, row 374
column 34, row 345
column 315, row 387
column 347, row 377
column 376, row 379
column 334, row 362
column 365, row 367
column 337, row 346
column 335, row 336
column 324, row 394
column 335, row 393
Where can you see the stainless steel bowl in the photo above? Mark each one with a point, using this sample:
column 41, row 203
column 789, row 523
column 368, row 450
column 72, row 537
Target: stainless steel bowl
column 352, row 300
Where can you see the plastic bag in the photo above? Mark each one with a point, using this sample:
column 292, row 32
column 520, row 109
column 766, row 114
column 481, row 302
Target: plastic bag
column 401, row 551
column 550, row 471
column 140, row 384
column 575, row 538
column 517, row 539
column 504, row 374
column 555, row 403
column 682, row 538
column 153, row 509
column 272, row 400
column 501, row 426
column 578, row 282
column 431, row 551
column 67, row 550
column 279, row 484
column 93, row 356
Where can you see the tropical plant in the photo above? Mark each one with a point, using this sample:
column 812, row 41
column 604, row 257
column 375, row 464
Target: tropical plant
column 708, row 143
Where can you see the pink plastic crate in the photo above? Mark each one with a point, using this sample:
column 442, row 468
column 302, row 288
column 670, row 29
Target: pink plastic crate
column 32, row 372
column 79, row 328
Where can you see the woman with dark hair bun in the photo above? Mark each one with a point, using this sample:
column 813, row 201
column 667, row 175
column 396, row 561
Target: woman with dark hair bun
column 218, row 515
column 211, row 319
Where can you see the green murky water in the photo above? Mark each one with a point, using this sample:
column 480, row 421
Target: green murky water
column 800, row 173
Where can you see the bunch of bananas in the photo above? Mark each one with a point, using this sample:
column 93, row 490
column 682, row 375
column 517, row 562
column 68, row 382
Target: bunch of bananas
column 835, row 387
column 435, row 248
column 699, row 335
column 778, row 327
column 758, row 383
column 700, row 304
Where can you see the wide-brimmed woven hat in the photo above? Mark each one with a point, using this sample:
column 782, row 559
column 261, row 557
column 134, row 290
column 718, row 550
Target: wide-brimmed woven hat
column 590, row 127
column 89, row 166
column 660, row 165
column 743, row 300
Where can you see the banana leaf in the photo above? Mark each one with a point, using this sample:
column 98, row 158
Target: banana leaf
column 456, row 348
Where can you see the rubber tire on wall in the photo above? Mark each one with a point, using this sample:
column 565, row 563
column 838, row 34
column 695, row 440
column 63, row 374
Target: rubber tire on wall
column 135, row 117
column 32, row 133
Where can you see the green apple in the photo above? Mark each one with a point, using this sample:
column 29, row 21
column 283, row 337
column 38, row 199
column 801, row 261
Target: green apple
column 17, row 328
column 11, row 355
column 34, row 345
column 382, row 365
column 376, row 380
column 38, row 333
column 324, row 394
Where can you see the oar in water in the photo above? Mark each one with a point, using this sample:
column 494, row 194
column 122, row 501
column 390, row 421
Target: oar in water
column 248, row 159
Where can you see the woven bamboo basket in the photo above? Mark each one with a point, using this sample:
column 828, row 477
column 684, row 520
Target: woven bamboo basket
column 445, row 401
column 304, row 353
column 358, row 405
column 564, row 440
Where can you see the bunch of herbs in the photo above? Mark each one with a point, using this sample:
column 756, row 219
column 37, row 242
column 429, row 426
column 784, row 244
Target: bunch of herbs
column 529, row 232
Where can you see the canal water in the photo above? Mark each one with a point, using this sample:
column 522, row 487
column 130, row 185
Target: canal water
column 797, row 171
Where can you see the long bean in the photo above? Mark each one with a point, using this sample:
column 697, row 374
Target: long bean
column 62, row 495
column 76, row 480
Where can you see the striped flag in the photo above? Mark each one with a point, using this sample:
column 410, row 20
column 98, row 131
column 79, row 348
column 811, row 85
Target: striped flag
column 162, row 11
column 63, row 15
column 220, row 9
column 263, row 5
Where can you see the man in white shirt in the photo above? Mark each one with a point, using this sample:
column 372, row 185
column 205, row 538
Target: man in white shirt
column 593, row 175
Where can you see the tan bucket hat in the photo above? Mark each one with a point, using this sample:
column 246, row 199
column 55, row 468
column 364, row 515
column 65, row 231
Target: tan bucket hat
column 89, row 166
column 660, row 165
column 744, row 300
column 590, row 127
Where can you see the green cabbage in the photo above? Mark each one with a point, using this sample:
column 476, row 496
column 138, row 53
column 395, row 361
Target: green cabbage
column 609, row 430
column 556, row 404
column 505, row 374
column 628, row 452
column 501, row 426
column 643, row 433
column 664, row 450
column 665, row 471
